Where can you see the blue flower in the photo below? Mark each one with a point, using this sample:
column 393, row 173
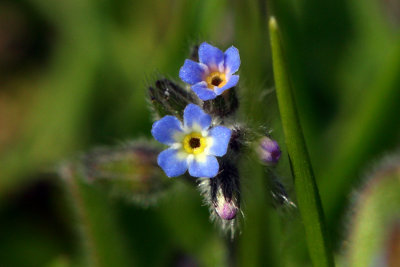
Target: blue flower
column 214, row 73
column 193, row 145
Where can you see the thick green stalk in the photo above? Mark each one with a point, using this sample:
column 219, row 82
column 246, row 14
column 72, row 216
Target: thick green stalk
column 306, row 189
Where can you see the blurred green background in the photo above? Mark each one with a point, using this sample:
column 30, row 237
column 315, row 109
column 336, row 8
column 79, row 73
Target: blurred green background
column 74, row 74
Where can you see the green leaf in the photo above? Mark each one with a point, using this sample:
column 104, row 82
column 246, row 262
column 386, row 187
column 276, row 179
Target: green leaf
column 309, row 202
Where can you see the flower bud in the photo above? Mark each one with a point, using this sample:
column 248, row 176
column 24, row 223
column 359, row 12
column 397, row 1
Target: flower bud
column 222, row 195
column 225, row 208
column 223, row 105
column 130, row 170
column 194, row 53
column 279, row 195
column 168, row 98
column 269, row 151
column 241, row 138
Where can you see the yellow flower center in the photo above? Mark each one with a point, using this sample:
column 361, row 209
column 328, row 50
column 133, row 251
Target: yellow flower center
column 216, row 79
column 194, row 143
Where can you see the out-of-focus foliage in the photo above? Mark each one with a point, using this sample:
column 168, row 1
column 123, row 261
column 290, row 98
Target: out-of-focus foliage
column 374, row 233
column 74, row 74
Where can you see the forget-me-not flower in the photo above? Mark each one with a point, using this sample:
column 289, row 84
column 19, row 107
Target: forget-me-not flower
column 193, row 144
column 214, row 73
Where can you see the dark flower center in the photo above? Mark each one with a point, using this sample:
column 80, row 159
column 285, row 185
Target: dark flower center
column 216, row 81
column 194, row 142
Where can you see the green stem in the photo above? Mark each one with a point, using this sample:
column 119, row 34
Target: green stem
column 306, row 189
column 101, row 242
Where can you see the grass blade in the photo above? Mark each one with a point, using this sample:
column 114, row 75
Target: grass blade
column 306, row 189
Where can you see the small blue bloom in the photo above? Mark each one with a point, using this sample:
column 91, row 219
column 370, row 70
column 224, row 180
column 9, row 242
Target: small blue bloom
column 214, row 73
column 193, row 144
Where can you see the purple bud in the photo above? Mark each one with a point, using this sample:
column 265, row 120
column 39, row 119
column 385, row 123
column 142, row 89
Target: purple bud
column 226, row 210
column 269, row 151
column 222, row 194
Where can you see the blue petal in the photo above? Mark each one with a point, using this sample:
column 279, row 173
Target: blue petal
column 193, row 115
column 169, row 161
column 203, row 92
column 164, row 130
column 233, row 80
column 221, row 136
column 207, row 168
column 191, row 72
column 210, row 55
column 232, row 60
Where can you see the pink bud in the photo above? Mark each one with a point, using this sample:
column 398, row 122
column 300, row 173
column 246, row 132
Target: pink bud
column 226, row 210
column 269, row 151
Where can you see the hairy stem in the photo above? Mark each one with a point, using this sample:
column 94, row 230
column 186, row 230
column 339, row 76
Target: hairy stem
column 101, row 242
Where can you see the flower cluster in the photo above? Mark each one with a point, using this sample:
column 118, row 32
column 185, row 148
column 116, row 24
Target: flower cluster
column 204, row 139
column 204, row 142
column 195, row 143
